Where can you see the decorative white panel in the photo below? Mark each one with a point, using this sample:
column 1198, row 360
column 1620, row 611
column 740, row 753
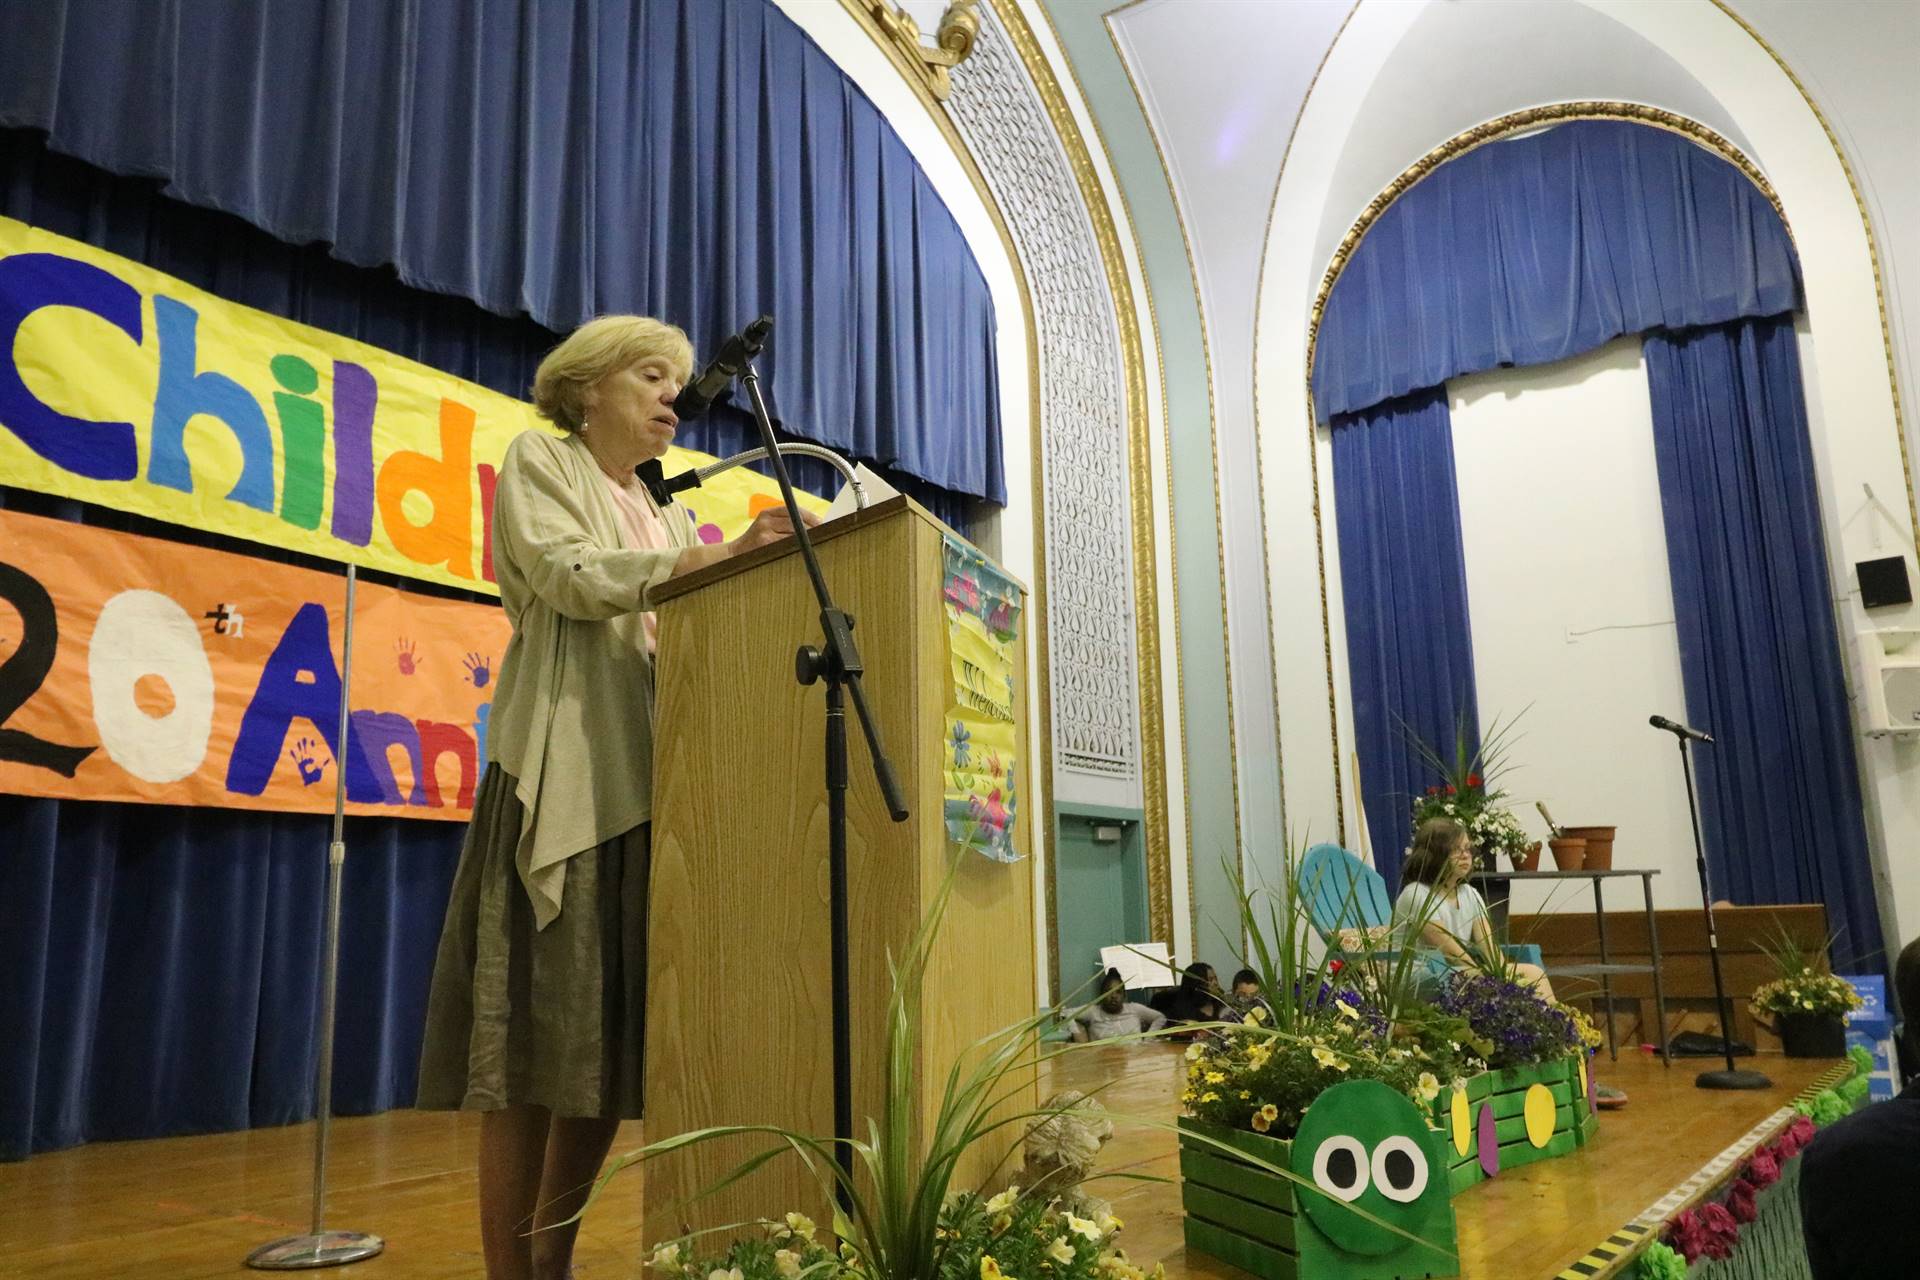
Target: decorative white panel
column 1083, row 420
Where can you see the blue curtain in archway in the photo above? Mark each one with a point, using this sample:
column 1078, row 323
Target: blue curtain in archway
column 1538, row 248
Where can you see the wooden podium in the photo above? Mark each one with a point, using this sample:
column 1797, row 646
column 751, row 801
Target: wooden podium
column 739, row 1013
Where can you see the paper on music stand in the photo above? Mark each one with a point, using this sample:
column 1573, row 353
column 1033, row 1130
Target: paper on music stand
column 1142, row 965
column 877, row 491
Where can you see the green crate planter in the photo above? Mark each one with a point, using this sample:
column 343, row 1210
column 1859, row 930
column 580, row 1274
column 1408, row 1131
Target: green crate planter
column 1256, row 1219
column 1504, row 1093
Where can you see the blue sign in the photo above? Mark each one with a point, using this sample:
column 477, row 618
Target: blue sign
column 1871, row 1027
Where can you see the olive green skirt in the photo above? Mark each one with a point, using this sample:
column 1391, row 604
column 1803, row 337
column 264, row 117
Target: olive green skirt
column 553, row 1017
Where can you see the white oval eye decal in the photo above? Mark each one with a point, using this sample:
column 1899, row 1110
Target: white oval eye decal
column 1340, row 1167
column 1400, row 1168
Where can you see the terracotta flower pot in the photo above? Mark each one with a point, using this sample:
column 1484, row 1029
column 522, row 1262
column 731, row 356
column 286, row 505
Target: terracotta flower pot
column 1528, row 859
column 1569, row 852
column 1599, row 845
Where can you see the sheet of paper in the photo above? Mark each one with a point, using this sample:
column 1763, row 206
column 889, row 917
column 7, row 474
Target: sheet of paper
column 877, row 490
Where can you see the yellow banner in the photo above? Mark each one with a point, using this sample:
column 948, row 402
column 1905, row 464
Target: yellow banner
column 133, row 669
column 981, row 742
column 125, row 387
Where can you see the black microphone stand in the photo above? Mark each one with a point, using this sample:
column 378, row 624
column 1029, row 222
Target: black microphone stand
column 1732, row 1077
column 836, row 663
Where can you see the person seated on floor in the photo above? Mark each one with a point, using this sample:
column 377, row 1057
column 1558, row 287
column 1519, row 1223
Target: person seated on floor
column 1443, row 916
column 1857, row 1176
column 1114, row 1015
column 1196, row 999
column 1245, row 995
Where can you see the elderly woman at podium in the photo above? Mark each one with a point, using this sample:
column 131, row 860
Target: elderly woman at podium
column 536, row 1013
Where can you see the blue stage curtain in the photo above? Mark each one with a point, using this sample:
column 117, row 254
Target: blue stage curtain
column 1403, row 577
column 1535, row 249
column 1780, row 802
column 161, row 967
column 698, row 160
column 158, row 966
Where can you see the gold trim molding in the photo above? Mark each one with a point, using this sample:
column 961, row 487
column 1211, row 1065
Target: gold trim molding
column 1153, row 762
column 1146, row 596
column 953, row 40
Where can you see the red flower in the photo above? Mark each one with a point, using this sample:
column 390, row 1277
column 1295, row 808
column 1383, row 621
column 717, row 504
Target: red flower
column 1706, row 1232
column 1474, row 780
column 1795, row 1138
column 1335, row 966
column 1763, row 1170
column 1433, row 791
column 1450, row 790
column 1740, row 1202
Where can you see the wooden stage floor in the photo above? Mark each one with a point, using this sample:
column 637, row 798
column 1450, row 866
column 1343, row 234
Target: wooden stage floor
column 187, row 1208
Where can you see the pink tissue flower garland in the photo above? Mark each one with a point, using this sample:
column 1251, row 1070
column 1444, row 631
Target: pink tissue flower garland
column 1712, row 1230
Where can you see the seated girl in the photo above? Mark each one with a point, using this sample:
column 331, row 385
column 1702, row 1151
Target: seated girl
column 1442, row 915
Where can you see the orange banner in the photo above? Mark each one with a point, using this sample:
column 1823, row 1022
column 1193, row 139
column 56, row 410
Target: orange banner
column 133, row 669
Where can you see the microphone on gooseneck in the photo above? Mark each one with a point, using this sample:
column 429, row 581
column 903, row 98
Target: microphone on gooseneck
column 708, row 385
column 1680, row 730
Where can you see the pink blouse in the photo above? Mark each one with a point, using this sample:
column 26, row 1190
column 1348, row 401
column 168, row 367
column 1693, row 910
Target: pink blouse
column 643, row 529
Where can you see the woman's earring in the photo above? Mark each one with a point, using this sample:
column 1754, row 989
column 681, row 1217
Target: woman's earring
column 583, row 426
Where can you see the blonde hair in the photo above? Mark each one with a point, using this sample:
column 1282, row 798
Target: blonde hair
column 603, row 345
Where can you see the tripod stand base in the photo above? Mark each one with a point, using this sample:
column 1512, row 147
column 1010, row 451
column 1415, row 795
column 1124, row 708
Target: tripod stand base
column 1724, row 1079
column 327, row 1249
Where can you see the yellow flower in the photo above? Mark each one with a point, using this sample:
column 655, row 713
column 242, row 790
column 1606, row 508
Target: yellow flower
column 1271, row 1112
column 801, row 1225
column 1244, row 1095
column 1260, row 1122
column 787, row 1263
column 1060, row 1251
column 1004, row 1201
column 1194, row 1051
column 1328, row 1058
column 1214, row 1077
column 725, row 1273
column 1347, row 1010
column 1083, row 1227
column 1000, row 1223
column 989, row 1269
column 1429, row 1086
column 1256, row 1015
column 1209, row 1096
column 1109, row 1224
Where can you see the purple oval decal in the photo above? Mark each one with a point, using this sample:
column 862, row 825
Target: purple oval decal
column 1489, row 1141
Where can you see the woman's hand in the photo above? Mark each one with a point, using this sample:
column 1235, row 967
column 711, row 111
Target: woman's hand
column 769, row 526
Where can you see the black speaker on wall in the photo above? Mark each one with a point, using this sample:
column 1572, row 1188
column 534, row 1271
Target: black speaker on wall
column 1883, row 582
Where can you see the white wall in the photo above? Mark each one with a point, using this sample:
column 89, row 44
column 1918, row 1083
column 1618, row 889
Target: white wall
column 1573, row 609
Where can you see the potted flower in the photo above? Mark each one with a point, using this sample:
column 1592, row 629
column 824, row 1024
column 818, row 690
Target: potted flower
column 1470, row 794
column 1806, row 1006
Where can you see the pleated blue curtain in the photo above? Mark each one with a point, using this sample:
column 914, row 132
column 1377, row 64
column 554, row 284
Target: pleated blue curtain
column 698, row 160
column 1403, row 579
column 1780, row 802
column 1534, row 249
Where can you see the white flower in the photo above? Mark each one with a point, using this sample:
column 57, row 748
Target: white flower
column 725, row 1274
column 665, row 1258
column 1194, row 1051
column 1060, row 1251
column 1083, row 1227
column 786, row 1262
column 1004, row 1201
column 801, row 1225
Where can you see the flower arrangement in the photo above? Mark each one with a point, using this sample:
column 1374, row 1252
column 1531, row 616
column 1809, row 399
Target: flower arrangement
column 1004, row 1237
column 1712, row 1230
column 1254, row 1077
column 1806, row 992
column 1517, row 1025
column 1470, row 792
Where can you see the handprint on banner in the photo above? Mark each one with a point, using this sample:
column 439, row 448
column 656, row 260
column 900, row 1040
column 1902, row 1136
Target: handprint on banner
column 302, row 755
column 479, row 669
column 405, row 654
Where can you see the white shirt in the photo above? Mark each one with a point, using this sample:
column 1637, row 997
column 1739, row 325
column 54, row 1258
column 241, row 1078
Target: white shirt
column 1457, row 918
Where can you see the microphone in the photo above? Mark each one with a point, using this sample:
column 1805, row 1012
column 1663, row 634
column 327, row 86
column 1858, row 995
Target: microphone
column 661, row 486
column 1679, row 730
column 698, row 396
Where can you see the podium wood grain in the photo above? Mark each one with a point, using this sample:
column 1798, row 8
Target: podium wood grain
column 739, row 996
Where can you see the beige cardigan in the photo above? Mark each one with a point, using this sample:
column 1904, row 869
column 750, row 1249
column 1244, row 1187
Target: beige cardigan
column 573, row 719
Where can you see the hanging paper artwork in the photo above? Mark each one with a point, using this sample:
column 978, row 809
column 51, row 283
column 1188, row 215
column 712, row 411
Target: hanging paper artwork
column 981, row 735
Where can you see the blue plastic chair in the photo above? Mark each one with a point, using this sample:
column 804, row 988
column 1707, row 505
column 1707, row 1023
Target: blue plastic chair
column 1343, row 892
